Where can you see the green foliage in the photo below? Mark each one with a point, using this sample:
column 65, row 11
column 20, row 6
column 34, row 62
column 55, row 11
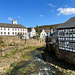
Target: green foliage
column 13, row 64
column 25, row 41
column 14, row 57
column 2, row 45
column 37, row 30
column 26, row 53
column 36, row 37
column 11, row 45
column 28, row 70
column 25, row 56
column 1, row 40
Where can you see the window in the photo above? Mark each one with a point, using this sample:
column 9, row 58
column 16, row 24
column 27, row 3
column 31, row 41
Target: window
column 1, row 32
column 13, row 29
column 73, row 46
column 4, row 32
column 4, row 28
column 25, row 33
column 8, row 33
column 13, row 33
column 8, row 28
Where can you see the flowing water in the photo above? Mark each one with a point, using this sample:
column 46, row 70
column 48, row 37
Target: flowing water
column 42, row 68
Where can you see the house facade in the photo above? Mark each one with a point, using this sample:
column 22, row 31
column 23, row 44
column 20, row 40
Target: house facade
column 13, row 29
column 31, row 32
column 66, row 35
column 44, row 33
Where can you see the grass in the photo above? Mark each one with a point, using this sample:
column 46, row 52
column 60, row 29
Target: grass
column 12, row 53
column 12, row 65
column 30, row 69
column 14, row 57
column 11, row 45
column 16, row 51
column 26, row 56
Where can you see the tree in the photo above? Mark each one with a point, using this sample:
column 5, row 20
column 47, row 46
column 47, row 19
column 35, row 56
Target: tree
column 50, row 27
column 37, row 30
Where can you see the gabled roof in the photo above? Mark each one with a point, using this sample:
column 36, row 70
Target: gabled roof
column 68, row 24
column 11, row 25
column 46, row 30
column 30, row 29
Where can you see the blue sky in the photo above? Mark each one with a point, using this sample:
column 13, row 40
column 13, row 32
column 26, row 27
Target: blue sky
column 36, row 12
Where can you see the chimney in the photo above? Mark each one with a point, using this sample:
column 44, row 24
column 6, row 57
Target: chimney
column 14, row 21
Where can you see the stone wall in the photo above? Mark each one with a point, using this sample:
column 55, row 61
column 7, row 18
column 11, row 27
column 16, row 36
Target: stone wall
column 66, row 55
column 18, row 44
column 61, row 54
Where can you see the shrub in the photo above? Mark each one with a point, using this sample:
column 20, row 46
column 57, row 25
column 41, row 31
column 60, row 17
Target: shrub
column 1, row 40
column 2, row 44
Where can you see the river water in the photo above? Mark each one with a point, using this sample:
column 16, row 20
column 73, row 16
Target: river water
column 42, row 68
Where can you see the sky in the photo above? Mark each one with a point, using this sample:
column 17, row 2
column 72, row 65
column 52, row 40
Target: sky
column 30, row 13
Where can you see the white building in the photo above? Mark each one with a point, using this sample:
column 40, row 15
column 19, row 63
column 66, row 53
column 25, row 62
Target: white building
column 13, row 29
column 44, row 33
column 31, row 32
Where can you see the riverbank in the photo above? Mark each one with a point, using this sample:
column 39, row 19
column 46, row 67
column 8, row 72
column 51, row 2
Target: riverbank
column 9, row 61
column 36, row 66
column 30, row 60
column 62, row 66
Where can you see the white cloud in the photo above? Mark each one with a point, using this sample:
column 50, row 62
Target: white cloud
column 41, row 15
column 18, row 16
column 58, row 14
column 51, row 5
column 66, row 11
column 10, row 18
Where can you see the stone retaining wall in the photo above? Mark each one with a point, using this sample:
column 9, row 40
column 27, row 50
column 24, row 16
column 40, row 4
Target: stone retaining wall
column 18, row 44
column 61, row 54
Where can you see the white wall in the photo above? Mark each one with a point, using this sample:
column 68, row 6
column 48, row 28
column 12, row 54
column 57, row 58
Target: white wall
column 32, row 33
column 43, row 34
column 13, row 30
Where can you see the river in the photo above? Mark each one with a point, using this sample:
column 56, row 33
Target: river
column 42, row 68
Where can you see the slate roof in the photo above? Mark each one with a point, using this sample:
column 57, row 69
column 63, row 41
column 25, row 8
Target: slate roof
column 68, row 24
column 11, row 25
column 29, row 29
column 46, row 30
